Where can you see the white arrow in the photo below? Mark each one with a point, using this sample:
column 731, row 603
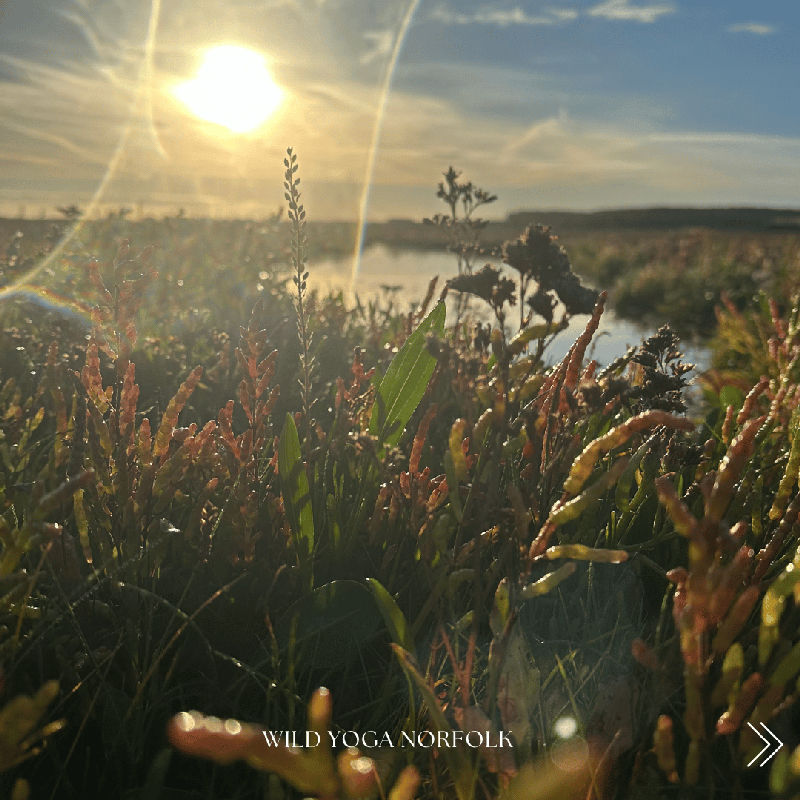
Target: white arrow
column 767, row 744
column 780, row 744
column 765, row 747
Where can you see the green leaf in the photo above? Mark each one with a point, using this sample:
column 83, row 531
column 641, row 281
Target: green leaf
column 405, row 381
column 294, row 484
column 392, row 615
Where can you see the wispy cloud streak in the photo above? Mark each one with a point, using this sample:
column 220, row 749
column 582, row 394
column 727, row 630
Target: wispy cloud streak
column 624, row 10
column 755, row 28
column 620, row 10
column 502, row 18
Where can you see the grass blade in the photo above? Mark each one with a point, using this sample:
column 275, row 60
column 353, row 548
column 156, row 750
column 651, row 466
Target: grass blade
column 294, row 483
column 394, row 618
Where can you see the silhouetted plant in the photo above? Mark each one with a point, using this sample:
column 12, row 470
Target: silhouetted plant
column 490, row 286
column 297, row 218
column 539, row 257
column 463, row 229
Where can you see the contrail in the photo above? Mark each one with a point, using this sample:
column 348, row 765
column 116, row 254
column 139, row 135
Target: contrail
column 376, row 136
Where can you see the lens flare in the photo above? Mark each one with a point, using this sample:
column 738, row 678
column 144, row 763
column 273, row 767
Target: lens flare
column 377, row 129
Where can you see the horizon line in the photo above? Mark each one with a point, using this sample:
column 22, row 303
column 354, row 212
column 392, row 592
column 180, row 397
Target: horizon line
column 136, row 217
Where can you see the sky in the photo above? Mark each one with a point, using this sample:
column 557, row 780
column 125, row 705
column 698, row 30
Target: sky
column 586, row 104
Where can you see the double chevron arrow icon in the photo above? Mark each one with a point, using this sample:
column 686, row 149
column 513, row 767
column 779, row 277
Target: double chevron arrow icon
column 768, row 744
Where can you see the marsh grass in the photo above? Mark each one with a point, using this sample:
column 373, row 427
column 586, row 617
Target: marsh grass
column 456, row 537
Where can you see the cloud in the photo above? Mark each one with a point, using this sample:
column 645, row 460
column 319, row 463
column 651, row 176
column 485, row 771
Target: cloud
column 563, row 14
column 623, row 10
column 381, row 43
column 62, row 126
column 503, row 18
column 723, row 138
column 756, row 28
column 564, row 162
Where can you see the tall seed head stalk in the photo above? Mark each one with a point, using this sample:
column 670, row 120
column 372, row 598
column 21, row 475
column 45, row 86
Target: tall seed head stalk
column 297, row 217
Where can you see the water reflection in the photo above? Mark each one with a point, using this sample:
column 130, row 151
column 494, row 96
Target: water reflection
column 407, row 273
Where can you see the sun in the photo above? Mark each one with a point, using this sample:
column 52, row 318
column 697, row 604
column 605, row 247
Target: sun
column 233, row 88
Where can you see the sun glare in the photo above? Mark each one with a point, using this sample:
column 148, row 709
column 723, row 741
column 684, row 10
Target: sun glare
column 232, row 88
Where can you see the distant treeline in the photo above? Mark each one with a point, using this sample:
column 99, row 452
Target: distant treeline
column 336, row 238
column 405, row 233
column 749, row 219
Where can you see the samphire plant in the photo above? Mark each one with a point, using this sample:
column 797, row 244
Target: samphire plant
column 446, row 531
